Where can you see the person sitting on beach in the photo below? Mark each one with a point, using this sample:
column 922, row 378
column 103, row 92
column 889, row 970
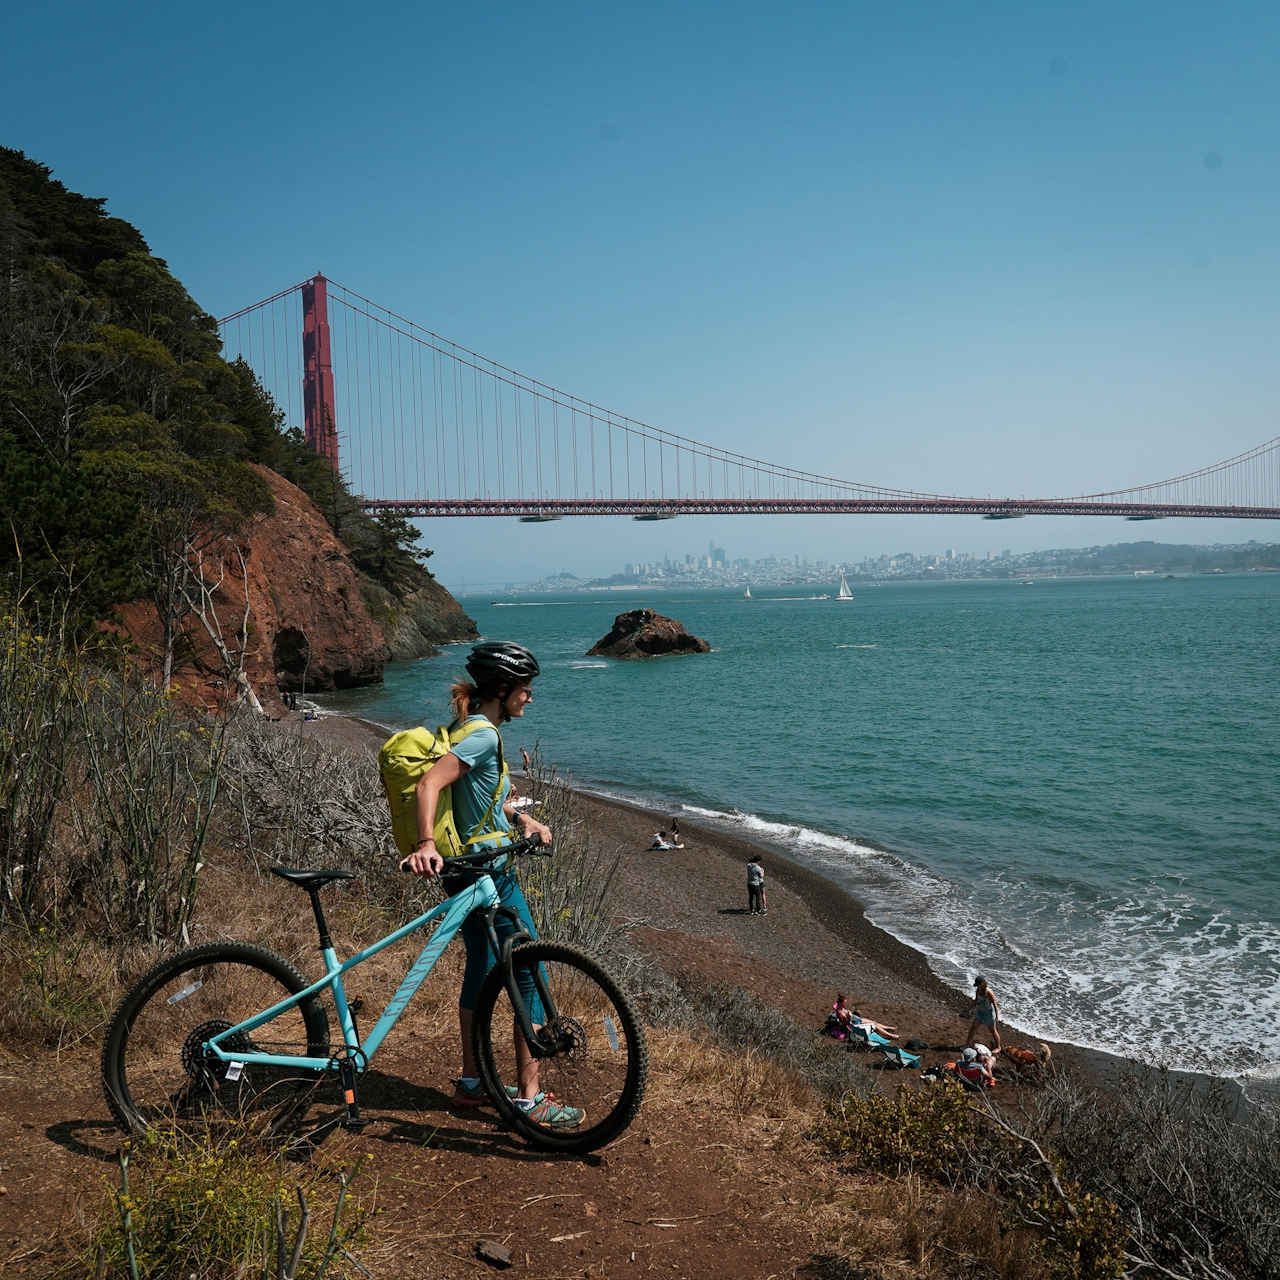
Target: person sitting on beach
column 875, row 1028
column 974, row 1070
column 986, row 1013
column 839, row 1020
column 660, row 840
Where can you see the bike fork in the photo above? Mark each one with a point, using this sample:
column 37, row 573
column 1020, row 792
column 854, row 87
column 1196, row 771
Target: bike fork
column 537, row 1046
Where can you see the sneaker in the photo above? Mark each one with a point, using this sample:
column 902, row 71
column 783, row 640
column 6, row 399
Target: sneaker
column 514, row 1092
column 554, row 1116
column 463, row 1096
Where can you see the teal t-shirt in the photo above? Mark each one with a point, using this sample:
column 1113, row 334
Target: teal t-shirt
column 473, row 792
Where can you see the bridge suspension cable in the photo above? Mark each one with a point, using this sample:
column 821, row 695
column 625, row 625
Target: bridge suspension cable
column 423, row 425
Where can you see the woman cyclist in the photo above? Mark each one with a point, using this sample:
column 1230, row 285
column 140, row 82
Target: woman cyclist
column 502, row 675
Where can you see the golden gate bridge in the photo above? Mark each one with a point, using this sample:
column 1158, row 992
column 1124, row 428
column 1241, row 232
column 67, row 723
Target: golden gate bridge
column 433, row 429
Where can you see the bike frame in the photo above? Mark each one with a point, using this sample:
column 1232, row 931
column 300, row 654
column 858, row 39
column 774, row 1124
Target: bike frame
column 481, row 896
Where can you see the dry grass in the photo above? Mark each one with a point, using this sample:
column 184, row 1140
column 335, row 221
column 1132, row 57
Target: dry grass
column 861, row 1225
column 893, row 1226
column 685, row 1066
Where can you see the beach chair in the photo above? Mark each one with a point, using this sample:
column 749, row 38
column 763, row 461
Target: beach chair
column 894, row 1056
column 862, row 1039
column 953, row 1069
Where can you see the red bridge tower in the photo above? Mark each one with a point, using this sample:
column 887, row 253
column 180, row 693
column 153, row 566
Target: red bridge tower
column 317, row 371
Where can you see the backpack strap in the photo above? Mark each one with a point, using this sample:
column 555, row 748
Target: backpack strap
column 481, row 833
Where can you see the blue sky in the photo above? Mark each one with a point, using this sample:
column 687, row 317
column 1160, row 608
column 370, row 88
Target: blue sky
column 975, row 248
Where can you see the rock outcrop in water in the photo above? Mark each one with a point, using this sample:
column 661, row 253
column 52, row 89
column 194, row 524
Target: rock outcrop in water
column 644, row 633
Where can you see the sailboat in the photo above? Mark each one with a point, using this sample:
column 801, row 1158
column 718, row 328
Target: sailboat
column 844, row 593
column 746, row 595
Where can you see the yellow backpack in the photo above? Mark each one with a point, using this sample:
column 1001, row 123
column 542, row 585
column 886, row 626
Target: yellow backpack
column 403, row 759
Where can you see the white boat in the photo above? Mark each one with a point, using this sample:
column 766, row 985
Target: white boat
column 844, row 593
column 746, row 595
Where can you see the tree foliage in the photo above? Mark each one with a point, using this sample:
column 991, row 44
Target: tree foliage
column 125, row 437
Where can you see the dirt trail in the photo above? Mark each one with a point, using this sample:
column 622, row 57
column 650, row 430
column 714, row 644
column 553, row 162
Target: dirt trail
column 691, row 1190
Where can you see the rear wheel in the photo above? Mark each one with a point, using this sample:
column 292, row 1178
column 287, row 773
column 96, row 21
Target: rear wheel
column 154, row 1069
column 601, row 1063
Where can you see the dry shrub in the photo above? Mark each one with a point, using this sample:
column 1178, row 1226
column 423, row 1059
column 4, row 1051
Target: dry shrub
column 939, row 1134
column 742, row 1083
column 880, row 1226
column 293, row 801
column 738, row 1022
column 928, row 1134
column 58, row 988
column 1195, row 1169
column 569, row 894
column 106, row 788
column 210, row 1204
column 37, row 721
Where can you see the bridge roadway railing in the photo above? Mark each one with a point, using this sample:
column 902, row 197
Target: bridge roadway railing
column 669, row 508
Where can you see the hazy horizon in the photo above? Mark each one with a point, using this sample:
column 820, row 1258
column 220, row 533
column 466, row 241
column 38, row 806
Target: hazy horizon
column 460, row 582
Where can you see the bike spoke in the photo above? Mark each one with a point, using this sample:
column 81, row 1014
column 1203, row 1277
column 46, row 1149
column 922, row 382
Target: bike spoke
column 593, row 1066
column 170, row 1076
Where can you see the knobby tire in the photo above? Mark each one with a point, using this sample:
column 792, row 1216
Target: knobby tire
column 609, row 1082
column 152, row 1071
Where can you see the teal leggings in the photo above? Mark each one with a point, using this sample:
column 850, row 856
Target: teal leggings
column 480, row 957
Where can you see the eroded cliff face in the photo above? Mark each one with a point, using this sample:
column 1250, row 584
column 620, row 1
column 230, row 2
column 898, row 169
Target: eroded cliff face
column 418, row 618
column 311, row 628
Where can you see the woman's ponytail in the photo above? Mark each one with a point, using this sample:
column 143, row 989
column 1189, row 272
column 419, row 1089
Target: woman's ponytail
column 463, row 697
column 466, row 697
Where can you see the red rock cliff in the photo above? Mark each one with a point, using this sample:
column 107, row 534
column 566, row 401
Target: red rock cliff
column 310, row 628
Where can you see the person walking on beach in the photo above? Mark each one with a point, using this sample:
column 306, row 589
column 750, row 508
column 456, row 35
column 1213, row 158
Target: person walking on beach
column 986, row 1013
column 755, row 888
column 503, row 675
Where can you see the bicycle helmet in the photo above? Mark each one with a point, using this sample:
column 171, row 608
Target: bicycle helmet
column 500, row 660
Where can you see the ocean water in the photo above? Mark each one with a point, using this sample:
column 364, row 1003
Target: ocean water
column 1072, row 787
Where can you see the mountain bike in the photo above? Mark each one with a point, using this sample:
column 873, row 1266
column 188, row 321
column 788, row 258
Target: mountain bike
column 236, row 1029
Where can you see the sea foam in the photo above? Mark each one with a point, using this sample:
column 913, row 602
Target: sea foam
column 1158, row 976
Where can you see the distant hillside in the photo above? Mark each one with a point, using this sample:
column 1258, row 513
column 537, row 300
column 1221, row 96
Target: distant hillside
column 128, row 444
column 1125, row 557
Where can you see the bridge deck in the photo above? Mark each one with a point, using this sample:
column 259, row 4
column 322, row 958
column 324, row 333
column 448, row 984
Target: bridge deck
column 669, row 508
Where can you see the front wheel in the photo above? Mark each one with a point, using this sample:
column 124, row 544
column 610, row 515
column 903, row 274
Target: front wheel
column 154, row 1067
column 589, row 1090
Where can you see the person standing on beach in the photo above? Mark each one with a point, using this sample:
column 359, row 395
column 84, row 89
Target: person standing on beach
column 755, row 888
column 986, row 1013
column 472, row 769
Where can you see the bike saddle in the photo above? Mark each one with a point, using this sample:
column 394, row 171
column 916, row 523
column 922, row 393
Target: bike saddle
column 311, row 879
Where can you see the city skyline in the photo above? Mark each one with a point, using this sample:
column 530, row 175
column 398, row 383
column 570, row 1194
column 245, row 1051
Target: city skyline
column 692, row 570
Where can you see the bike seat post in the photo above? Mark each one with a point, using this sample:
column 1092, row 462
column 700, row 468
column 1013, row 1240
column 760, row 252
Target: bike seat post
column 326, row 942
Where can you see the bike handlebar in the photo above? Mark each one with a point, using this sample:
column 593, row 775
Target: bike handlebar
column 517, row 849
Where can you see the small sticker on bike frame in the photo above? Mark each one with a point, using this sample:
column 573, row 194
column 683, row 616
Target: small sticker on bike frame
column 234, row 1071
column 189, row 990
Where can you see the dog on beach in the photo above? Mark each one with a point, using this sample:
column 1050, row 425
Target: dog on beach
column 1026, row 1058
